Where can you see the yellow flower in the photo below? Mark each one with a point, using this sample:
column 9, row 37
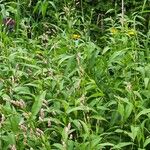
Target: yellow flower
column 113, row 30
column 76, row 36
column 131, row 32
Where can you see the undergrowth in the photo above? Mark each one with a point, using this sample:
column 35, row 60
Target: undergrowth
column 62, row 88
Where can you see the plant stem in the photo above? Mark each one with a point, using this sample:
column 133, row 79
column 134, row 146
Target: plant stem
column 122, row 14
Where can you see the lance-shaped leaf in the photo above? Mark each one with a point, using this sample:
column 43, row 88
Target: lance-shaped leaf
column 143, row 112
column 38, row 103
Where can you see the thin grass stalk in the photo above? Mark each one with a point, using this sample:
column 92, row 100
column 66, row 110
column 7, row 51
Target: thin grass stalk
column 122, row 13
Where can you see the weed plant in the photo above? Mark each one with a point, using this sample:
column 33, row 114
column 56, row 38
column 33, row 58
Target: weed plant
column 61, row 88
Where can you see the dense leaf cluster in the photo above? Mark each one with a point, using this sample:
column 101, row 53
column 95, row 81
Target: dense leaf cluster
column 74, row 75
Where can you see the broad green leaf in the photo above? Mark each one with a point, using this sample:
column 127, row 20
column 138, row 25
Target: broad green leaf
column 117, row 56
column 21, row 90
column 77, row 124
column 121, row 145
column 83, row 108
column 38, row 103
column 85, row 127
column 44, row 6
column 138, row 94
column 106, row 144
column 32, row 85
column 134, row 132
column 105, row 50
column 63, row 58
column 53, row 5
column 95, row 142
column 96, row 95
column 146, row 93
column 128, row 110
column 70, row 145
column 121, row 109
column 15, row 120
column 119, row 131
column 59, row 146
column 30, row 66
column 147, row 141
column 110, row 11
column 98, row 117
column 146, row 82
column 143, row 112
column 64, row 134
column 37, row 6
column 10, row 138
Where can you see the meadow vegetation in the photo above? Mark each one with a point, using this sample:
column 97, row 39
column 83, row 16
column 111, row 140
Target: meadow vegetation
column 75, row 75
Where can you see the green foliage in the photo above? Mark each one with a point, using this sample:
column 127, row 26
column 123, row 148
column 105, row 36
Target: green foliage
column 74, row 78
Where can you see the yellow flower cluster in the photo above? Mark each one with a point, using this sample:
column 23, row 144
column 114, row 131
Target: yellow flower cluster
column 113, row 30
column 76, row 36
column 131, row 32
